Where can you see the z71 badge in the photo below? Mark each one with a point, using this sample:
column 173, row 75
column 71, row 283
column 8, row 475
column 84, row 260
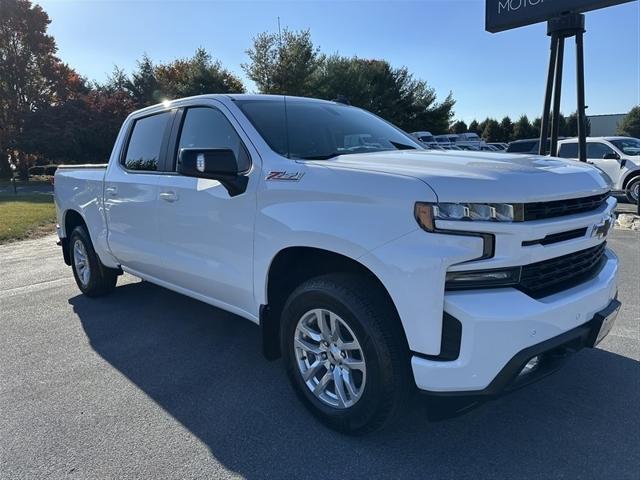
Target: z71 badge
column 291, row 176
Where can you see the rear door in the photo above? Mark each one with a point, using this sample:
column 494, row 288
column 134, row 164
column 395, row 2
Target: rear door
column 207, row 234
column 131, row 192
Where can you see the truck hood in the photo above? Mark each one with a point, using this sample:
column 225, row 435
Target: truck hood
column 484, row 177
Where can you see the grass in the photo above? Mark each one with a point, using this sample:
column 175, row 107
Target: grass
column 26, row 216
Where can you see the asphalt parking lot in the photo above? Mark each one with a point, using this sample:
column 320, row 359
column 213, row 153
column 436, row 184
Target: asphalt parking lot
column 146, row 383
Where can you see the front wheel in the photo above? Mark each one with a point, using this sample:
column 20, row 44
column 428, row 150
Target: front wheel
column 345, row 352
column 92, row 277
column 633, row 190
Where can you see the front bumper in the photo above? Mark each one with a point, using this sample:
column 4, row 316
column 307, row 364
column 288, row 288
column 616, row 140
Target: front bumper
column 500, row 327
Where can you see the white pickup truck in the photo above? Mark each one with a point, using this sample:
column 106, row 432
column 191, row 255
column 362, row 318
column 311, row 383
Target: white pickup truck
column 372, row 267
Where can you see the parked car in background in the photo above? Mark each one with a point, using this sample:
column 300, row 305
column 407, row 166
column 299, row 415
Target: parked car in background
column 488, row 148
column 528, row 145
column 372, row 265
column 425, row 137
column 469, row 138
column 617, row 157
column 499, row 145
column 443, row 140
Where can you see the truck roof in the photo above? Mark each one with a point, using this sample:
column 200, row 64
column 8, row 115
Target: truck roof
column 575, row 139
column 233, row 97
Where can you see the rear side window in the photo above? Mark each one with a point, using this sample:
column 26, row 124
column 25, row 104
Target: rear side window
column 568, row 150
column 206, row 128
column 145, row 144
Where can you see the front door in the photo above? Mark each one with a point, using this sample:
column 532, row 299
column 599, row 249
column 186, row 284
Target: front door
column 207, row 235
column 611, row 166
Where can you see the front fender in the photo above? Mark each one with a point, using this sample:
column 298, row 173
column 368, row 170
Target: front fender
column 347, row 212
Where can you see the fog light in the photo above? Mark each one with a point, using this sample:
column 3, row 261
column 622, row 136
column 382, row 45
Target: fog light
column 531, row 365
column 483, row 278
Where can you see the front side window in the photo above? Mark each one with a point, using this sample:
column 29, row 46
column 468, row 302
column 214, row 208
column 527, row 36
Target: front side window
column 568, row 150
column 597, row 150
column 208, row 128
column 313, row 130
column 145, row 144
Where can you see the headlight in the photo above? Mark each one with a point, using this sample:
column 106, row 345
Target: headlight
column 427, row 213
column 503, row 277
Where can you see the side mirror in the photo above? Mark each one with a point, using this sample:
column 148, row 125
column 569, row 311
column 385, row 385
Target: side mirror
column 611, row 156
column 213, row 163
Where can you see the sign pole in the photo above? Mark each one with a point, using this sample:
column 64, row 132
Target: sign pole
column 582, row 121
column 559, row 29
column 565, row 19
column 557, row 94
column 544, row 125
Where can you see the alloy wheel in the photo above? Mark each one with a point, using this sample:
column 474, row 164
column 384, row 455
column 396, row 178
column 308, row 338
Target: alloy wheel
column 81, row 262
column 330, row 358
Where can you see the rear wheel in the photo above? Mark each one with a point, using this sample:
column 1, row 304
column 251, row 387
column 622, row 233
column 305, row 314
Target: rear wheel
column 345, row 352
column 633, row 190
column 92, row 277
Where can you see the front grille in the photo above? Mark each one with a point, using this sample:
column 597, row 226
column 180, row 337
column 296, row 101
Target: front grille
column 557, row 274
column 559, row 208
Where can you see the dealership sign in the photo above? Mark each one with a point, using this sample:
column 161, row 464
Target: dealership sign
column 506, row 14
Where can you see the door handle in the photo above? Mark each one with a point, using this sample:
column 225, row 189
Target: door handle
column 111, row 191
column 169, row 196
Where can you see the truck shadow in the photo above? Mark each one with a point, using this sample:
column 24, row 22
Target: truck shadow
column 204, row 367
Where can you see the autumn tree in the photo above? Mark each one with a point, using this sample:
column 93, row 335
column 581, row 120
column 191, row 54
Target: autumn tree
column 31, row 76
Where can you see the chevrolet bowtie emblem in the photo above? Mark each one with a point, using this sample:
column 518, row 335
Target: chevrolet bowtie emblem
column 601, row 229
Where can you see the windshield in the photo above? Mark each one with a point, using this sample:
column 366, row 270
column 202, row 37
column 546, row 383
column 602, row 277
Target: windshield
column 312, row 130
column 628, row 146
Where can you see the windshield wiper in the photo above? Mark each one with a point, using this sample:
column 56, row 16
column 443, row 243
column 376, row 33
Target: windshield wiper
column 362, row 149
column 323, row 157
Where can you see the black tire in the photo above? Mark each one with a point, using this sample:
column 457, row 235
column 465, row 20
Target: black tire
column 357, row 300
column 631, row 186
column 101, row 279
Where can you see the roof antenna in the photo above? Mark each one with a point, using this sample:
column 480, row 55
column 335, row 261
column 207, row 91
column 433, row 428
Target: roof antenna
column 279, row 34
column 284, row 97
column 342, row 99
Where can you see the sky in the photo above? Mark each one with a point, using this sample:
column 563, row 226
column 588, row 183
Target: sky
column 440, row 41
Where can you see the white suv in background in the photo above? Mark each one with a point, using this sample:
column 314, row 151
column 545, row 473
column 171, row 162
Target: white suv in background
column 617, row 157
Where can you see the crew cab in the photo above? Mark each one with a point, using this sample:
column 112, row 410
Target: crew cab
column 617, row 157
column 373, row 267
